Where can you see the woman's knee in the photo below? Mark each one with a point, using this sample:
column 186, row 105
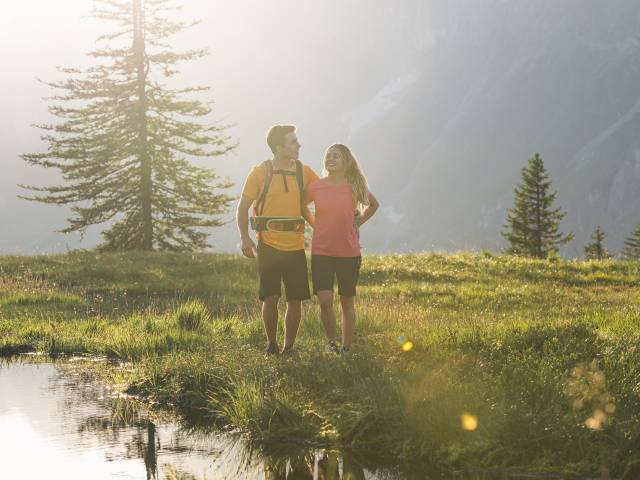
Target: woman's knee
column 270, row 304
column 325, row 298
column 348, row 303
column 294, row 306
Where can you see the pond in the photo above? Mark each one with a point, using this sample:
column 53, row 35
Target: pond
column 57, row 421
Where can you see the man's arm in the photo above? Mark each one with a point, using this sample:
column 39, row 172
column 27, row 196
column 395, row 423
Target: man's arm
column 306, row 212
column 310, row 177
column 242, row 219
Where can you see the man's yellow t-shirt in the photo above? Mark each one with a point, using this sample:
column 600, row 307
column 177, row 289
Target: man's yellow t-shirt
column 279, row 202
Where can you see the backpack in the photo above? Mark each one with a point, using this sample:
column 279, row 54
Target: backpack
column 260, row 223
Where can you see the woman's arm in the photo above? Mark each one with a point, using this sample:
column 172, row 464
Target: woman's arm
column 368, row 212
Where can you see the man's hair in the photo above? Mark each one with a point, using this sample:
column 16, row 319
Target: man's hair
column 276, row 134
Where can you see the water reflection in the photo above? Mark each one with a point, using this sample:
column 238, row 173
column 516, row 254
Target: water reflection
column 321, row 465
column 57, row 422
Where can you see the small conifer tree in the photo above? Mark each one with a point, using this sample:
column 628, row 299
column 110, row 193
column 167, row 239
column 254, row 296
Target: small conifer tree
column 532, row 226
column 596, row 249
column 632, row 245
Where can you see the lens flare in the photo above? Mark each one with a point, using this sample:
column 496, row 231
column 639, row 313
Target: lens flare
column 407, row 346
column 469, row 422
column 596, row 421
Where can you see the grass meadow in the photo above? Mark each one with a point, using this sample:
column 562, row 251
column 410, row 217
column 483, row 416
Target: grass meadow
column 461, row 361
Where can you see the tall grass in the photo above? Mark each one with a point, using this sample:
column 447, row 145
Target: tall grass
column 192, row 315
column 460, row 361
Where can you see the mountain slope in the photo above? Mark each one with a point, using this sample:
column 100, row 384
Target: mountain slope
column 558, row 78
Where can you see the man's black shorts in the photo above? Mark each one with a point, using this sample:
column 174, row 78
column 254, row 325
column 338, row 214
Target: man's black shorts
column 276, row 266
column 324, row 269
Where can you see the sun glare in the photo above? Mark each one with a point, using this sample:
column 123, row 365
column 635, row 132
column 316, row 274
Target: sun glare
column 24, row 9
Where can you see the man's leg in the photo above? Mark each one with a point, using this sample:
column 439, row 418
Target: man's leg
column 348, row 320
column 269, row 270
column 328, row 317
column 270, row 318
column 296, row 285
column 292, row 322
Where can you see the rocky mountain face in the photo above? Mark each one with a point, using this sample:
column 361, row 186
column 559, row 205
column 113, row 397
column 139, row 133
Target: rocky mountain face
column 499, row 81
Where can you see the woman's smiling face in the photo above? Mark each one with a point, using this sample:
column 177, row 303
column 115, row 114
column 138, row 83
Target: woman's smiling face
column 334, row 160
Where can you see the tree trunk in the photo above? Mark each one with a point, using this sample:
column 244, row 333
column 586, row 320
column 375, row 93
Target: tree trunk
column 143, row 154
column 538, row 223
column 151, row 453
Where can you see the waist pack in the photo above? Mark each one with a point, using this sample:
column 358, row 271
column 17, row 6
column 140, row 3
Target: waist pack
column 278, row 224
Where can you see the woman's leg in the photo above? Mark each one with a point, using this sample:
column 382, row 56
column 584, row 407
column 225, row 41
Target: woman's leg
column 348, row 273
column 348, row 320
column 327, row 315
column 322, row 273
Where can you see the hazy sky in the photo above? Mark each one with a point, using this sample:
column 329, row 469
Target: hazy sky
column 270, row 61
column 305, row 62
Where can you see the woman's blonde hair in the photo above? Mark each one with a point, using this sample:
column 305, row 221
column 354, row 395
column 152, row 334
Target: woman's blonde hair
column 353, row 174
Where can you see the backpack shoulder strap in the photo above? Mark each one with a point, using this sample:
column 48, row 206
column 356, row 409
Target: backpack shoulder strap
column 268, row 173
column 300, row 180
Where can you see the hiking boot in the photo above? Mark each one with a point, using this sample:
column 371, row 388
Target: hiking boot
column 331, row 347
column 345, row 351
column 272, row 349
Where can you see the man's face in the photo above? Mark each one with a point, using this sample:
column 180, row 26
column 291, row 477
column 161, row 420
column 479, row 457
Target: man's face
column 291, row 147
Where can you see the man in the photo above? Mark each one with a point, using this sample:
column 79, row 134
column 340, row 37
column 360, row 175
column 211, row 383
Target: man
column 273, row 188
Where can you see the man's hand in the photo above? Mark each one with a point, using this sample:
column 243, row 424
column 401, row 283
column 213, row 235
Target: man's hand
column 248, row 248
column 242, row 218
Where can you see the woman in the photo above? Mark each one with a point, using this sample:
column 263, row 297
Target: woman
column 342, row 204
